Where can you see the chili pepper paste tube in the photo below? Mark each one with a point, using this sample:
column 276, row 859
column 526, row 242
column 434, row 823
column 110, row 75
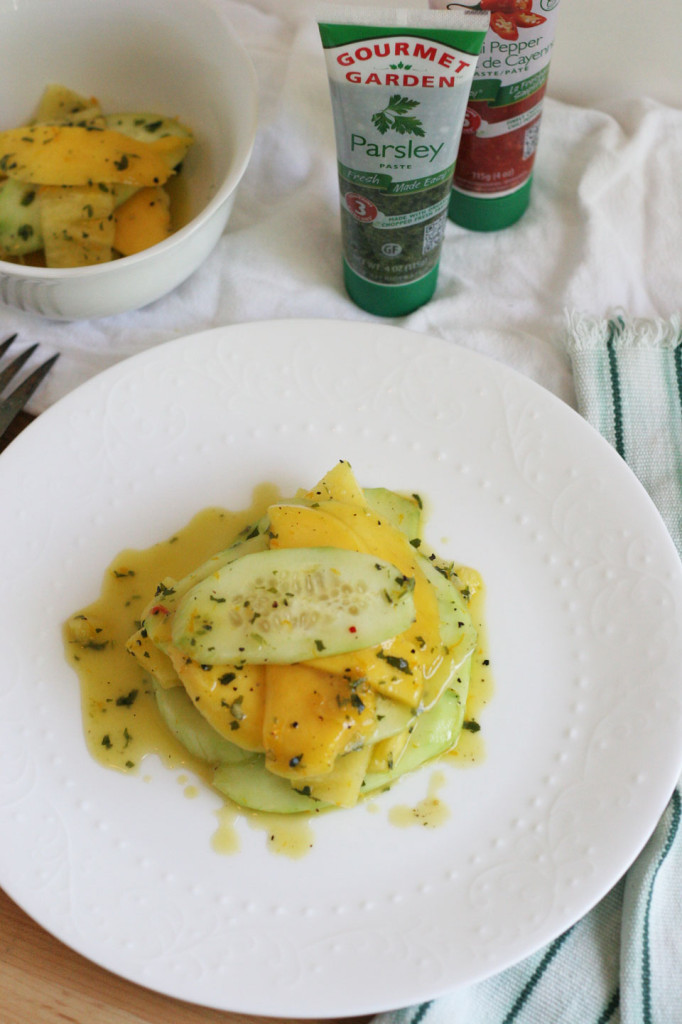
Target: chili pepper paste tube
column 494, row 171
column 399, row 83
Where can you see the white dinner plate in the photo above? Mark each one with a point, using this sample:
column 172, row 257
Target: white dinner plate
column 583, row 735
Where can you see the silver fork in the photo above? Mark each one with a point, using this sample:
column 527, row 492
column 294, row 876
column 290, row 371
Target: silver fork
column 17, row 399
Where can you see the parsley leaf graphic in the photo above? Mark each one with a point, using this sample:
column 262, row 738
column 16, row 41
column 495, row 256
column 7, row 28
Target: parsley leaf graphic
column 395, row 117
column 408, row 126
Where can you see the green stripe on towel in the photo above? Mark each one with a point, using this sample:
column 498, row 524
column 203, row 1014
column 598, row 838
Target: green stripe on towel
column 536, row 977
column 616, row 399
column 674, row 809
column 613, row 1004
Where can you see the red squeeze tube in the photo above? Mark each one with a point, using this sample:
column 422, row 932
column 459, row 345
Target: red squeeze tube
column 494, row 170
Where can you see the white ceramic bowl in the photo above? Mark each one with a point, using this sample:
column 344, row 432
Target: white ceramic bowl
column 174, row 57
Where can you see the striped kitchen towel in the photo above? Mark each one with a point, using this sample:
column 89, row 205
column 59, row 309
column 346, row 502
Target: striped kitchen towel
column 622, row 963
column 628, row 379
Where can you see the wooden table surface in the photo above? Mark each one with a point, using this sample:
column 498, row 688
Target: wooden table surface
column 42, row 981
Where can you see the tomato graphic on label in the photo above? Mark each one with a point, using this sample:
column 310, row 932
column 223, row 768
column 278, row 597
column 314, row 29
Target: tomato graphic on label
column 360, row 207
column 503, row 25
column 527, row 19
column 508, row 16
column 472, row 121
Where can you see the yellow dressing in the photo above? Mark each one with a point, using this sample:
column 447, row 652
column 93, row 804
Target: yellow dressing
column 97, row 636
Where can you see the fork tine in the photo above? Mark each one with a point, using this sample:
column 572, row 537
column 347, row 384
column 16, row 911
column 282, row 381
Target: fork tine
column 6, row 344
column 11, row 371
column 15, row 402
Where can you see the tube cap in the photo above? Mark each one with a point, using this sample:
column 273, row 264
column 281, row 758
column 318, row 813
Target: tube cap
column 389, row 299
column 480, row 213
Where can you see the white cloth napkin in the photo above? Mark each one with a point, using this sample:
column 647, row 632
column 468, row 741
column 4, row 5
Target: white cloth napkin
column 600, row 231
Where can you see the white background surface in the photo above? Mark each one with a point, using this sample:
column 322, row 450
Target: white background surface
column 608, row 49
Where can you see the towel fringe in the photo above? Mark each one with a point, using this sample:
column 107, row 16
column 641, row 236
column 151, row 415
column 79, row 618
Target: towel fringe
column 584, row 332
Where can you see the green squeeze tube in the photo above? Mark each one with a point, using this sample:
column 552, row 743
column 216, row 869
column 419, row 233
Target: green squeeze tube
column 399, row 81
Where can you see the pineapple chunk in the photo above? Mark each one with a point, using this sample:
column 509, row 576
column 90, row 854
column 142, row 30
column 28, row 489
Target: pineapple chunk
column 77, row 225
column 60, row 105
column 339, row 484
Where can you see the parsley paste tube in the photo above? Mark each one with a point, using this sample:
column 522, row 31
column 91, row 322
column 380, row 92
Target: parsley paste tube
column 493, row 176
column 399, row 83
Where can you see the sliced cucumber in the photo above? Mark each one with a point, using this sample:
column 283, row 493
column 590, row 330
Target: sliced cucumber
column 20, row 229
column 456, row 626
column 252, row 785
column 401, row 512
column 193, row 731
column 392, row 717
column 171, row 592
column 288, row 605
column 146, row 127
column 436, row 731
column 342, row 786
column 457, row 630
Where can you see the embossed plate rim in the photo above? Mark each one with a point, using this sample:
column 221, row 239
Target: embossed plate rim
column 521, row 487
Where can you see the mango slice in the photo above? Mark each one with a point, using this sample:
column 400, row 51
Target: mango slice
column 310, row 718
column 142, row 221
column 399, row 669
column 298, row 526
column 50, row 154
column 230, row 697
